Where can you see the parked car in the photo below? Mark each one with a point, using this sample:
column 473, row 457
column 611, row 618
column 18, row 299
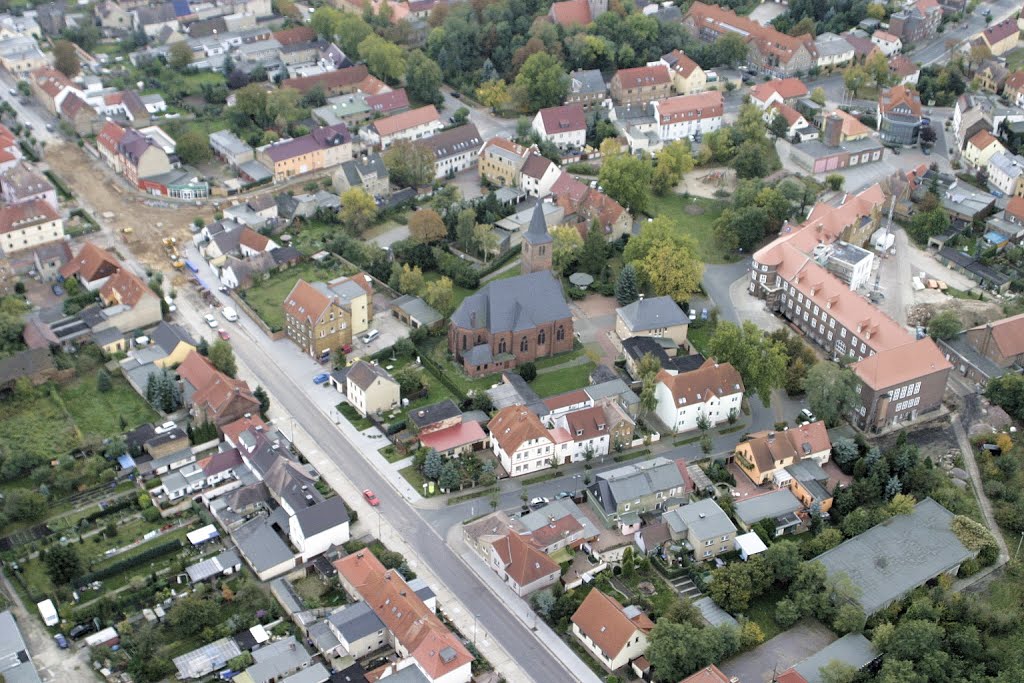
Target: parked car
column 321, row 378
column 57, row 290
column 538, row 502
column 807, row 415
column 223, row 334
column 165, row 427
column 693, row 314
column 211, row 321
column 371, row 497
column 80, row 630
column 230, row 314
column 562, row 494
column 703, row 314
column 370, row 336
column 62, row 642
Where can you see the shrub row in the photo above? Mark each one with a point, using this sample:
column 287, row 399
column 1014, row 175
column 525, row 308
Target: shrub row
column 127, row 563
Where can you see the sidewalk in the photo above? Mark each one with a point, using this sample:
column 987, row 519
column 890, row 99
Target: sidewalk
column 518, row 606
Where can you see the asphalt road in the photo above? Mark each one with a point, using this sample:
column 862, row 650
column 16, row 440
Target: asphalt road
column 31, row 113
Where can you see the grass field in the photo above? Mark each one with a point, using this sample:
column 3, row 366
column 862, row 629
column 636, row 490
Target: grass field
column 762, row 613
column 700, row 227
column 266, row 297
column 101, row 413
column 563, row 380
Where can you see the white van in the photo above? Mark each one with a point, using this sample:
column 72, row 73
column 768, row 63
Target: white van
column 370, row 336
column 48, row 612
column 230, row 314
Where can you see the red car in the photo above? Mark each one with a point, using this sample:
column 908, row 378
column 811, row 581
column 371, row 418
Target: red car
column 371, row 497
column 223, row 334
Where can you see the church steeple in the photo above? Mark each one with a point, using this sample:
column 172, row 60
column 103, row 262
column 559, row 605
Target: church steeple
column 537, row 243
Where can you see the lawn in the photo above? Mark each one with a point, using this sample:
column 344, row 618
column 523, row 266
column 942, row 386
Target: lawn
column 267, row 296
column 762, row 613
column 699, row 334
column 563, row 380
column 350, row 414
column 700, row 227
column 413, row 476
column 102, row 414
column 313, row 236
column 1015, row 59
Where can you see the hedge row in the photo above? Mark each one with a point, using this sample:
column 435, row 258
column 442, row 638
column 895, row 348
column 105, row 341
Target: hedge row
column 127, row 563
column 121, row 504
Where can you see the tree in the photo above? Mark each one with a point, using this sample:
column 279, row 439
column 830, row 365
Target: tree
column 410, row 279
column 1007, row 392
column 877, row 10
column 627, row 179
column 494, row 94
column 193, row 145
column 358, row 210
column 162, row 392
column 627, row 290
column 180, row 55
column 849, row 619
column 944, row 325
column 779, row 127
column 103, row 381
column 566, row 245
column 837, row 671
column 594, row 255
column 528, row 371
column 818, row 96
column 432, row 465
column 423, row 78
column 783, row 560
column 760, row 361
column 191, row 614
column 786, row 613
column 408, row 164
column 450, row 477
column 542, row 81
column 928, row 135
column 223, row 357
column 834, row 181
column 260, row 394
column 855, row 78
column 440, row 295
column 751, row 634
column 731, row 587
column 63, row 565
column 845, row 451
column 677, row 650
column 543, row 602
column 831, row 391
column 410, row 380
column 979, row 52
column 384, row 59
column 672, row 270
column 65, row 58
column 426, row 226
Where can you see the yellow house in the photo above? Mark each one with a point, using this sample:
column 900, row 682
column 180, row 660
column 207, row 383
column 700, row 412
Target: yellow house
column 1001, row 37
column 325, row 147
column 370, row 389
column 173, row 342
column 980, row 148
column 29, row 224
column 500, row 162
column 766, row 453
column 658, row 316
column 687, row 77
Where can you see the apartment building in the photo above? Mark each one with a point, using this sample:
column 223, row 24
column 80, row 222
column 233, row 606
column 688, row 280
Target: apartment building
column 414, row 124
column 641, row 85
column 686, row 116
column 714, row 391
column 565, row 126
column 454, row 150
column 27, row 225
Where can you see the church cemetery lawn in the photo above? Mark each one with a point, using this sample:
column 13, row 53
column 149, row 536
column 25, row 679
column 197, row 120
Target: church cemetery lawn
column 698, row 225
column 563, row 379
column 266, row 296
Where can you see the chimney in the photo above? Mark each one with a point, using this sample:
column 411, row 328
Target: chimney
column 833, row 133
column 771, row 437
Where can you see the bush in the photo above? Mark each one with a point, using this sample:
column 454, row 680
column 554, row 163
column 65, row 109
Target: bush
column 124, row 565
column 528, row 371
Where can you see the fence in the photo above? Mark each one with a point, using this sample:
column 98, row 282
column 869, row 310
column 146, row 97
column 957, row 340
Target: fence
column 240, row 302
column 438, row 372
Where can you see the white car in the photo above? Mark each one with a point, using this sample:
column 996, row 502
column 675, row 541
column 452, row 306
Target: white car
column 538, row 502
column 211, row 321
column 229, row 314
column 165, row 427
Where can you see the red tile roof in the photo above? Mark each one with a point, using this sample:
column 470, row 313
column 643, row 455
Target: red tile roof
column 252, row 239
column 564, row 119
column 1014, row 82
column 589, row 423
column 982, row 139
column 571, row 12
column 514, row 425
column 705, row 105
column 999, row 32
column 406, row 120
column 51, row 81
column 233, row 430
column 306, row 302
column 125, row 288
column 767, row 39
column 885, row 36
column 1015, row 208
column 710, row 674
column 91, row 263
column 683, row 66
column 697, row 386
column 294, row 36
column 110, row 136
column 643, row 76
column 901, row 364
column 18, row 216
column 603, row 619
column 787, row 88
column 331, row 81
column 387, row 102
column 536, row 166
column 523, row 562
column 449, row 438
column 792, row 116
column 1008, row 334
column 897, row 96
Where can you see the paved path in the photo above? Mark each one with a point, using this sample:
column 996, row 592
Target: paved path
column 496, row 274
column 971, row 465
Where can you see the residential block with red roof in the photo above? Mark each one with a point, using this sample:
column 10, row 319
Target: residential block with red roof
column 1001, row 37
column 28, row 224
column 687, row 76
column 583, row 205
column 570, row 13
column 322, row 317
column 786, row 91
column 522, row 567
column 565, row 126
column 523, row 444
column 766, row 453
column 323, row 147
column 501, row 161
column 685, row 116
column 916, row 22
column 50, row 87
column 990, row 350
column 980, row 148
column 413, row 629
column 887, row 42
column 714, row 391
column 408, row 125
column 899, row 115
column 641, row 85
column 211, row 395
column 614, row 634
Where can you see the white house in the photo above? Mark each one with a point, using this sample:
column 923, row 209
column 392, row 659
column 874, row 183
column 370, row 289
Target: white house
column 687, row 115
column 414, row 124
column 524, row 445
column 538, row 175
column 1006, row 173
column 713, row 390
column 588, row 429
column 521, row 566
column 313, row 530
column 614, row 634
column 795, row 121
column 566, row 126
column 887, row 42
column 833, row 50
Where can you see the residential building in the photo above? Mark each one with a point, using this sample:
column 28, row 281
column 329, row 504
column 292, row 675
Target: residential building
column 973, row 113
column 321, row 317
column 410, row 125
column 23, row 183
column 92, row 267
column 588, row 429
column 900, row 384
column 687, row 77
column 510, row 321
column 833, row 50
column 20, row 56
column 368, row 172
column 587, row 87
column 770, row 52
column 704, row 527
column 641, row 85
column 852, row 650
column 371, row 389
column 986, row 351
column 537, row 243
column 586, row 206
column 324, row 147
column 153, row 19
column 899, row 115
column 1001, row 37
column 916, row 22
column 107, row 142
column 714, row 391
column 211, row 395
column 140, row 157
column 887, row 42
column 570, row 13
column 564, row 126
column 414, row 630
column 415, row 312
column 613, row 634
column 521, row 566
column 798, row 129
column 766, row 453
column 1006, row 173
column 501, row 161
column 782, row 91
column 340, row 82
column 991, row 76
column 230, row 148
column 173, row 342
column 28, row 225
column 621, row 494
column 881, row 564
column 709, row 674
column 652, row 317
column 454, row 150
column 686, row 116
column 781, row 506
column 980, row 149
column 78, row 114
column 1013, row 88
column 50, row 87
column 523, row 444
column 905, row 71
column 15, row 659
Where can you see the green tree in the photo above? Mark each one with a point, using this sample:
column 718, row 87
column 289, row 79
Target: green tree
column 818, row 96
column 410, row 380
column 783, row 560
column 358, row 210
column 440, row 295
column 731, row 588
column 423, row 78
column 760, row 360
column 831, row 391
column 855, row 78
column 494, row 94
column 179, row 56
column 837, row 671
column 193, row 145
column 542, row 81
column 410, row 279
column 409, row 164
column 191, row 614
column 944, row 325
column 648, row 369
column 528, row 371
column 835, row 181
column 260, row 394
column 677, row 650
column 103, row 381
column 627, row 179
column 63, row 565
column 627, row 289
column 223, row 357
column 672, row 270
column 778, row 127
column 426, row 226
column 65, row 58
column 566, row 245
column 384, row 59
column 786, row 613
column 594, row 255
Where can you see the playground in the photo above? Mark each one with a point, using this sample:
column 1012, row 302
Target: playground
column 704, row 182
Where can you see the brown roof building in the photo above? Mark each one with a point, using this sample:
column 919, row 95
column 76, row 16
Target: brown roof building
column 641, row 85
column 522, row 566
column 211, row 395
column 340, row 82
column 92, row 266
column 765, row 453
column 614, row 634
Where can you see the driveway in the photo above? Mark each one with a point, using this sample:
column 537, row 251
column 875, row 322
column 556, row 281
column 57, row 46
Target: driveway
column 778, row 654
column 595, row 324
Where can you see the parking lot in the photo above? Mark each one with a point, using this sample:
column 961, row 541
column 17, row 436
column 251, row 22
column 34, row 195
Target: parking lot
column 778, row 654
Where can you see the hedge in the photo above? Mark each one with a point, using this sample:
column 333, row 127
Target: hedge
column 127, row 563
column 121, row 504
column 500, row 261
column 436, row 370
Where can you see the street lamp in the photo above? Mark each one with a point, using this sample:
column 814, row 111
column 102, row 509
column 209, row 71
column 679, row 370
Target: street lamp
column 575, row 483
column 475, row 617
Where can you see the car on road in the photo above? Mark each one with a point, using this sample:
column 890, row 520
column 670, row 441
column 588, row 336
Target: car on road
column 370, row 336
column 171, row 306
column 211, row 321
column 230, row 314
column 807, row 416
column 457, row 95
column 57, row 290
column 223, row 334
column 703, row 314
column 371, row 497
column 62, row 642
column 346, row 348
column 538, row 502
column 321, row 378
column 13, row 91
column 562, row 494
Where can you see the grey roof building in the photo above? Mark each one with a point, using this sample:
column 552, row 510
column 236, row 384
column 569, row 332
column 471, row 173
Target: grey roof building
column 261, row 546
column 227, row 562
column 432, row 414
column 587, row 87
column 168, row 335
column 892, row 558
column 322, row 516
column 656, row 313
column 363, row 374
column 853, row 649
column 277, row 660
column 15, row 662
column 621, row 494
column 206, row 659
column 513, row 304
column 704, row 518
column 779, row 505
column 356, row 621
column 415, row 312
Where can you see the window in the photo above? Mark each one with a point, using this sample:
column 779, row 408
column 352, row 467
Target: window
column 524, row 345
column 541, row 336
column 502, row 346
column 560, row 334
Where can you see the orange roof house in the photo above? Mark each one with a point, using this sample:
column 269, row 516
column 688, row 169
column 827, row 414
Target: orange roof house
column 613, row 633
column 522, row 566
column 92, row 266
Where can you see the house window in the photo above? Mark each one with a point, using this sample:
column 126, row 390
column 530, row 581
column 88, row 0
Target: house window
column 502, row 346
column 524, row 345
